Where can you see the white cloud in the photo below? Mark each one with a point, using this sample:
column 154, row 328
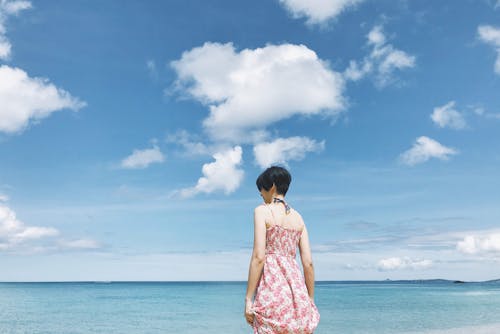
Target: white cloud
column 491, row 36
column 425, row 148
column 475, row 244
column 253, row 88
column 13, row 7
column 143, row 158
column 24, row 99
column 482, row 112
column 318, row 11
column 14, row 232
column 152, row 69
column 151, row 65
column 8, row 8
column 191, row 143
column 446, row 115
column 382, row 61
column 17, row 237
column 376, row 36
column 282, row 150
column 222, row 174
column 355, row 71
column 492, row 115
column 478, row 110
column 395, row 263
column 79, row 244
column 481, row 242
column 34, row 232
column 4, row 198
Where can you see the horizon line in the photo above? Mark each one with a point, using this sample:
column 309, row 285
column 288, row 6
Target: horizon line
column 244, row 281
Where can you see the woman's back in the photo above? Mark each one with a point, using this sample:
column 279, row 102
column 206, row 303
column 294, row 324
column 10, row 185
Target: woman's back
column 282, row 237
column 277, row 215
column 292, row 221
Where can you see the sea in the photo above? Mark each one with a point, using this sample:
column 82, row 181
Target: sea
column 435, row 306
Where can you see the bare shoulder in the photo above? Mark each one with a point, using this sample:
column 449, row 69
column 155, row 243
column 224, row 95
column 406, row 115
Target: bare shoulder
column 297, row 214
column 259, row 208
column 298, row 217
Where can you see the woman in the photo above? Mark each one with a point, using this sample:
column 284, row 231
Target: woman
column 284, row 301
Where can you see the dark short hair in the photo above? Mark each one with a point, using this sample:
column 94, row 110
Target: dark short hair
column 277, row 175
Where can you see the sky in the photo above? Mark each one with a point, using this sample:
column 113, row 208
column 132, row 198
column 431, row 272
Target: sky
column 132, row 133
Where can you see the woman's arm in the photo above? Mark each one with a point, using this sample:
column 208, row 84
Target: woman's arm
column 259, row 250
column 307, row 262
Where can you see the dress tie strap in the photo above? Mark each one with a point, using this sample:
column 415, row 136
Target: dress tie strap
column 287, row 207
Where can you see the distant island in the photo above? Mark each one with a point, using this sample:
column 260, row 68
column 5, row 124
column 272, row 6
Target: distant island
column 416, row 281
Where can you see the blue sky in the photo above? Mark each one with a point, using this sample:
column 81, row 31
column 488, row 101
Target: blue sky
column 131, row 135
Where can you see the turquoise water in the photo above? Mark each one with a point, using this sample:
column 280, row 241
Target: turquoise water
column 217, row 307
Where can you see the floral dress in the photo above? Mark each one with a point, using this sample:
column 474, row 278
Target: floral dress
column 282, row 304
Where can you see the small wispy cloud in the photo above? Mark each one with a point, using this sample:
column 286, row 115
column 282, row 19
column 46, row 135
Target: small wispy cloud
column 143, row 158
column 318, row 11
column 492, row 115
column 480, row 111
column 424, row 149
column 152, row 69
column 383, row 60
column 79, row 244
column 448, row 116
column 223, row 174
column 191, row 143
column 491, row 35
column 421, row 233
column 361, row 225
column 282, row 150
column 357, row 244
column 9, row 8
column 398, row 263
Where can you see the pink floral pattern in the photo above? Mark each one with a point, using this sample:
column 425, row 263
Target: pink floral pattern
column 282, row 304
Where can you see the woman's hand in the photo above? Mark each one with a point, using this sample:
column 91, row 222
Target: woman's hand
column 249, row 315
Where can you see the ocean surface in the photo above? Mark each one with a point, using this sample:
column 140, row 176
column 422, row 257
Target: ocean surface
column 217, row 307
